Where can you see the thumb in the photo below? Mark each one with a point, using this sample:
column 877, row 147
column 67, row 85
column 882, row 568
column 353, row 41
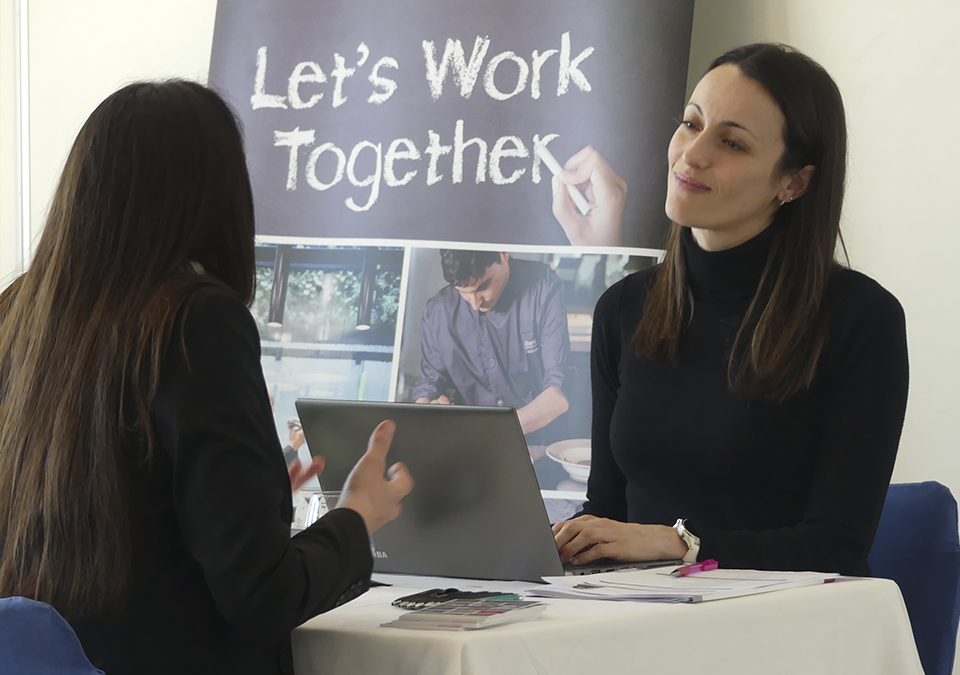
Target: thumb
column 380, row 440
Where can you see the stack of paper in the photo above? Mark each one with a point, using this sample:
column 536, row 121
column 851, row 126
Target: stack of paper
column 469, row 614
column 657, row 585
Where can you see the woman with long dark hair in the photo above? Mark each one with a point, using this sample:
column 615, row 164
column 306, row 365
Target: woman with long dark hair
column 143, row 492
column 748, row 392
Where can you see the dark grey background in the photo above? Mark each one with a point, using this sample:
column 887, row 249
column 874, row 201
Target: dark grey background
column 637, row 72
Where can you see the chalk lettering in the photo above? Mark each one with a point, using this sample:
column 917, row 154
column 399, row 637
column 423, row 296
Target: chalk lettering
column 393, row 154
column 435, row 150
column 311, row 169
column 293, row 139
column 387, row 85
column 297, row 77
column 384, row 164
column 339, row 74
column 260, row 98
column 491, row 88
column 364, row 54
column 459, row 145
column 464, row 74
column 499, row 152
column 538, row 61
column 570, row 69
column 373, row 180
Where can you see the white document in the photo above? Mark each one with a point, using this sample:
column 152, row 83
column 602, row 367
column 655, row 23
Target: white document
column 657, row 585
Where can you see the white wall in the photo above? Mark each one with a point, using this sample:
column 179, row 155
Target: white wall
column 8, row 140
column 80, row 52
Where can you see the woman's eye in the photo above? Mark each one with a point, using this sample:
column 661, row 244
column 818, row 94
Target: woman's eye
column 734, row 145
column 688, row 124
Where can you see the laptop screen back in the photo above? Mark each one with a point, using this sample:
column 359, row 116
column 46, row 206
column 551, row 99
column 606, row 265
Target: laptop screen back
column 475, row 510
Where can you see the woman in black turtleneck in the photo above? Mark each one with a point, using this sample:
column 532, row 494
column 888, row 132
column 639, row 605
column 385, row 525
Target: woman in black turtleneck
column 749, row 387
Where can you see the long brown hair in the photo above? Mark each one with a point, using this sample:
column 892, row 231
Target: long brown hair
column 778, row 345
column 155, row 181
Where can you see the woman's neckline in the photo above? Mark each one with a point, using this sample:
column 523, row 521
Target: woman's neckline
column 728, row 275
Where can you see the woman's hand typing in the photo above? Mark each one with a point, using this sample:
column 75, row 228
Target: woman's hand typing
column 588, row 538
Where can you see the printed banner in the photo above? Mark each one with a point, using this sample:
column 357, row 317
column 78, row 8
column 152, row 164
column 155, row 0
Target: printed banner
column 412, row 245
column 421, row 120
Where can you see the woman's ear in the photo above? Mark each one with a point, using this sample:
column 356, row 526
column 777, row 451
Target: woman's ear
column 794, row 185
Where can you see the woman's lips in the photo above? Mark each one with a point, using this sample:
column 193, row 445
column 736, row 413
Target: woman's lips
column 690, row 184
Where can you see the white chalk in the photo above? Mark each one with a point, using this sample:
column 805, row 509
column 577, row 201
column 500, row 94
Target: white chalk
column 556, row 169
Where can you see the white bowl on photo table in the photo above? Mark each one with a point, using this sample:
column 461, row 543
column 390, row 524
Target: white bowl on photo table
column 574, row 456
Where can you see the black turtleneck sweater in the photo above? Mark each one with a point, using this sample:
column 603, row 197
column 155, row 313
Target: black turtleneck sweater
column 797, row 485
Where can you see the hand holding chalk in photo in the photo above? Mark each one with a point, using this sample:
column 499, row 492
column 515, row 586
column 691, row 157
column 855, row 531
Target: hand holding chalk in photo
column 547, row 157
column 607, row 195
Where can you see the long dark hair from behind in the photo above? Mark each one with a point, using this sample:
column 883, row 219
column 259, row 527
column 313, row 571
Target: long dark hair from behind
column 155, row 188
column 778, row 345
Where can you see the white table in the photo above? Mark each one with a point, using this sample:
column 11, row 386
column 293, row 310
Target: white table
column 848, row 627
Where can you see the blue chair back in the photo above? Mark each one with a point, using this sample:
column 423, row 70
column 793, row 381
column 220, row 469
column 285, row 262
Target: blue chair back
column 36, row 640
column 917, row 546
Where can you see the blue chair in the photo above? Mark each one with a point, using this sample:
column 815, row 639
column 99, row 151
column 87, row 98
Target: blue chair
column 917, row 546
column 36, row 640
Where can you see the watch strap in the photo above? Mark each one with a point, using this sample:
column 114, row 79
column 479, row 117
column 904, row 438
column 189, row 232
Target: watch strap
column 690, row 539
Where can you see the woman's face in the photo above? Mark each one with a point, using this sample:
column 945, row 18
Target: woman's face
column 724, row 180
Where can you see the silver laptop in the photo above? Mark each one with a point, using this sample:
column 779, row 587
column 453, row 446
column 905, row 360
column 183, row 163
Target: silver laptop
column 475, row 511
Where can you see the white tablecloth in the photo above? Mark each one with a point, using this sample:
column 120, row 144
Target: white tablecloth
column 849, row 627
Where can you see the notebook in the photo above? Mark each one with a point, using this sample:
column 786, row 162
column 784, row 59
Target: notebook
column 475, row 511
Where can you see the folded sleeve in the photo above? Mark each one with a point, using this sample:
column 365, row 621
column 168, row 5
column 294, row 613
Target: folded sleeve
column 554, row 333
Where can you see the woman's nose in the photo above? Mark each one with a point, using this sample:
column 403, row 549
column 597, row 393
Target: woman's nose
column 697, row 153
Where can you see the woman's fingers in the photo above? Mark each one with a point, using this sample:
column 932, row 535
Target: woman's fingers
column 606, row 192
column 399, row 481
column 564, row 532
column 371, row 493
column 588, row 538
column 565, row 211
column 594, row 553
column 300, row 475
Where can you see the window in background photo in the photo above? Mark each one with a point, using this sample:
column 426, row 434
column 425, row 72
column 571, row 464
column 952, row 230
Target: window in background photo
column 327, row 318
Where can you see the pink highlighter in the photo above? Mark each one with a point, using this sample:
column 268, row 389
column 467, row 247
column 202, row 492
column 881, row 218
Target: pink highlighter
column 695, row 568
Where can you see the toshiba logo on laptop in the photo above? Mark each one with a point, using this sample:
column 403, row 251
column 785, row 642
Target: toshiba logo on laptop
column 378, row 554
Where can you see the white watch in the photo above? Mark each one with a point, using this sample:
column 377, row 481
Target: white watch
column 690, row 539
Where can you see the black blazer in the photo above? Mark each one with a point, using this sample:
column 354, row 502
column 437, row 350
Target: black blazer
column 218, row 584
